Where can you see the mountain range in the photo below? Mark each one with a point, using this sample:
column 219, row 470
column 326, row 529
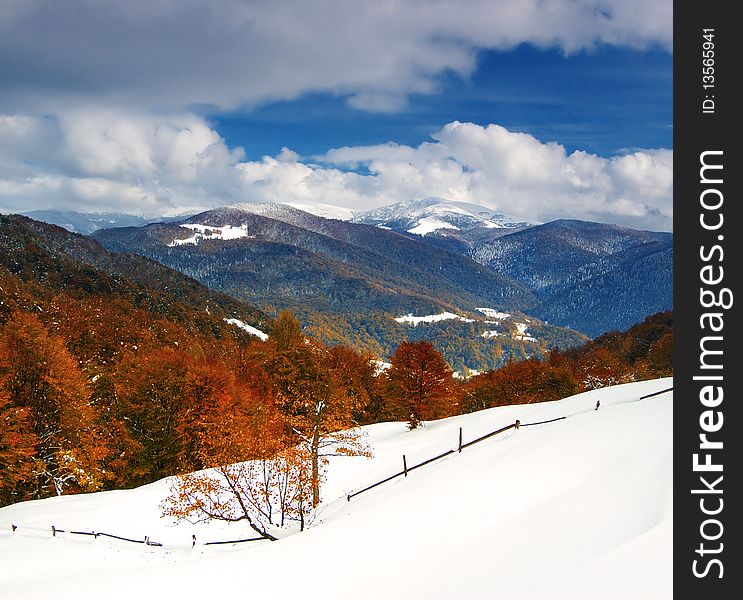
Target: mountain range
column 350, row 278
column 592, row 277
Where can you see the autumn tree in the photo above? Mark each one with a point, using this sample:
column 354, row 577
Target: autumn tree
column 600, row 368
column 419, row 383
column 321, row 391
column 17, row 444
column 521, row 382
column 149, row 385
column 254, row 472
column 43, row 379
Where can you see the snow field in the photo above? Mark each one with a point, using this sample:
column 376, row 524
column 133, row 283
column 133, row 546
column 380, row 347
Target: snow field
column 208, row 232
column 577, row 508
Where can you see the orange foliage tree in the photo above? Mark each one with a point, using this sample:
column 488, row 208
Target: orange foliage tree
column 321, row 391
column 520, row 382
column 44, row 381
column 256, row 475
column 419, row 383
column 17, row 445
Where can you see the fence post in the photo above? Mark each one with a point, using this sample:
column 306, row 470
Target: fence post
column 193, row 540
column 54, row 531
column 404, row 465
column 13, row 526
column 460, row 439
column 517, row 424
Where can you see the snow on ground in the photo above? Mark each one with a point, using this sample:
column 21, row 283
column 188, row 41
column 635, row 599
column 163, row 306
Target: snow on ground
column 444, row 316
column 249, row 328
column 430, row 224
column 493, row 314
column 466, row 374
column 490, row 334
column 579, row 508
column 209, row 232
column 522, row 333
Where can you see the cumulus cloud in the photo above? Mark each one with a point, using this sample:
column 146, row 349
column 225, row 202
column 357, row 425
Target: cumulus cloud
column 109, row 160
column 173, row 55
column 520, row 175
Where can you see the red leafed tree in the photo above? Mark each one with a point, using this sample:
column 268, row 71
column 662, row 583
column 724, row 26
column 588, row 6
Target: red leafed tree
column 43, row 379
column 419, row 383
column 600, row 368
column 148, row 392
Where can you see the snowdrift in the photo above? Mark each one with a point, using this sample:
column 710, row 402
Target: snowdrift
column 576, row 508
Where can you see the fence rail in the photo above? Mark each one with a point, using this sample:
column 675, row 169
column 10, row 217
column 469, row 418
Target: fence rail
column 543, row 422
column 257, row 539
column 96, row 534
column 407, row 469
column 670, row 389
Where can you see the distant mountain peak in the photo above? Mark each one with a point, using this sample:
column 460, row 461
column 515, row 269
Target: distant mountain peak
column 428, row 215
column 278, row 210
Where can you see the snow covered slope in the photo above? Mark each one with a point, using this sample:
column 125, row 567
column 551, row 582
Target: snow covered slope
column 577, row 508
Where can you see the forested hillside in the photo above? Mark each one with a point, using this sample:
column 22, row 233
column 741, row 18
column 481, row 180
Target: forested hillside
column 347, row 282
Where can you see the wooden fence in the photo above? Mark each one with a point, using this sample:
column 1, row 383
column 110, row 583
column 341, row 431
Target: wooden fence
column 516, row 425
column 460, row 446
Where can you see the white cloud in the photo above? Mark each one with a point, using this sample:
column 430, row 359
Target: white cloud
column 522, row 176
column 172, row 55
column 165, row 60
column 122, row 160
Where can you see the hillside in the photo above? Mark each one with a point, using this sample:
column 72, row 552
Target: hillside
column 588, row 276
column 347, row 282
column 47, row 259
column 288, row 255
column 566, row 509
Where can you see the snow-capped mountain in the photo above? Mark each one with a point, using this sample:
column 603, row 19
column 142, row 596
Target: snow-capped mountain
column 428, row 215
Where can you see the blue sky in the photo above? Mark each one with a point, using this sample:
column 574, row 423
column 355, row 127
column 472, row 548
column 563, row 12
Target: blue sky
column 541, row 110
column 605, row 101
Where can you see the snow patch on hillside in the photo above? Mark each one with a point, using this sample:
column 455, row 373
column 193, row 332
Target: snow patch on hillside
column 523, row 334
column 327, row 211
column 444, row 316
column 210, row 232
column 380, row 366
column 249, row 328
column 493, row 314
column 430, row 224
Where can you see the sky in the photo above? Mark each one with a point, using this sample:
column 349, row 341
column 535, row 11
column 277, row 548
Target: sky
column 539, row 109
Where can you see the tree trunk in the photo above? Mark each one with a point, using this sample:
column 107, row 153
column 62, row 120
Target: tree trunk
column 315, row 468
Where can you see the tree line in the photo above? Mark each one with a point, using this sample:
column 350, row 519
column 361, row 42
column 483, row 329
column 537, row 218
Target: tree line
column 96, row 393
